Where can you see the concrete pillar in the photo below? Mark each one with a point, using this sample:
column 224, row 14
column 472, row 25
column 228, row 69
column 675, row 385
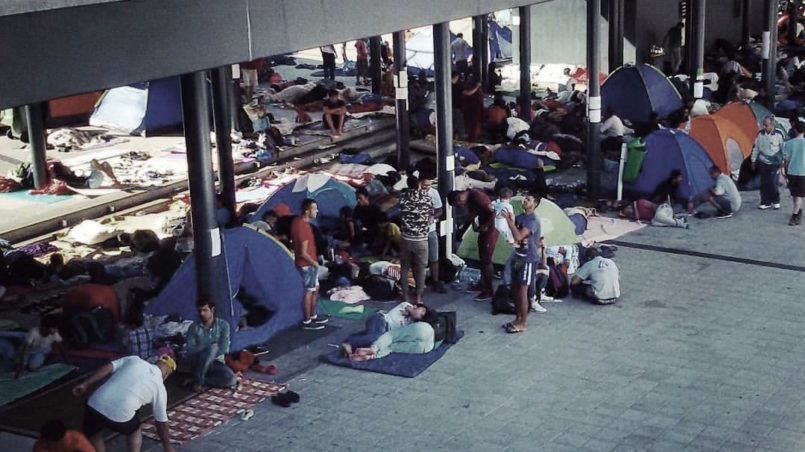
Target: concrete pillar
column 376, row 61
column 791, row 33
column 484, row 60
column 745, row 20
column 444, row 129
column 769, row 50
column 697, row 11
column 594, row 99
column 206, row 234
column 221, row 104
column 616, row 20
column 478, row 47
column 35, row 115
column 401, row 95
column 525, row 63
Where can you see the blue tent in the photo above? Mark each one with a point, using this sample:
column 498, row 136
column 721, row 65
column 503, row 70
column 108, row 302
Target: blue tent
column 330, row 195
column 142, row 108
column 634, row 92
column 669, row 149
column 254, row 261
column 500, row 41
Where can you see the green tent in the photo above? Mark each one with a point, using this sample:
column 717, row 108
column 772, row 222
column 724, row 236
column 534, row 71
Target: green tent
column 556, row 228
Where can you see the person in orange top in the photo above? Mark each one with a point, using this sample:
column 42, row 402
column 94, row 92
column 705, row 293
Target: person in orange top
column 496, row 124
column 55, row 437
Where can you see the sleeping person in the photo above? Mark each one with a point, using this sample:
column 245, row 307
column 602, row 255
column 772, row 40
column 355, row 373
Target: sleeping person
column 399, row 330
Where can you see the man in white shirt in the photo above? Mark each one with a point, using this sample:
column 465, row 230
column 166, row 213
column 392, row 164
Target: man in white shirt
column 460, row 50
column 612, row 132
column 133, row 383
column 598, row 280
column 724, row 195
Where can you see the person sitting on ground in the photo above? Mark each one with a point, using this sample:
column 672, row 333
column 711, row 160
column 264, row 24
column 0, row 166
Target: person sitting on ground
column 207, row 344
column 390, row 237
column 38, row 344
column 359, row 346
column 496, row 124
column 724, row 195
column 56, row 437
column 368, row 216
column 598, row 280
column 335, row 111
column 133, row 384
column 262, row 122
column 612, row 132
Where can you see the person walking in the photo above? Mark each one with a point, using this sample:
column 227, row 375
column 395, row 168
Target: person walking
column 794, row 170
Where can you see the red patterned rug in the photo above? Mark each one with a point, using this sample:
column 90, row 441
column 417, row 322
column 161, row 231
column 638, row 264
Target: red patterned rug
column 211, row 408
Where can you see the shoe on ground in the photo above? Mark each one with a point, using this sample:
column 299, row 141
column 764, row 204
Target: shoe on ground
column 536, row 307
column 311, row 325
column 483, row 296
column 545, row 299
column 724, row 215
column 475, row 288
column 764, row 206
column 799, row 218
column 439, row 287
column 321, row 320
column 776, row 205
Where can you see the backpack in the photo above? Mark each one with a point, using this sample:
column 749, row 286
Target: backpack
column 444, row 326
column 91, row 327
column 558, row 281
column 448, row 271
column 379, row 287
column 502, row 302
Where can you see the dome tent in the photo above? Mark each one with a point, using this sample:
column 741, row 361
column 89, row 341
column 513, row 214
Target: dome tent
column 634, row 92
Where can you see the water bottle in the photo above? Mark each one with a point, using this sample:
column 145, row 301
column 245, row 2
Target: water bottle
column 469, row 275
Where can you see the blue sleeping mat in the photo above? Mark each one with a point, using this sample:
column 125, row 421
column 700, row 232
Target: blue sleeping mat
column 399, row 364
column 517, row 157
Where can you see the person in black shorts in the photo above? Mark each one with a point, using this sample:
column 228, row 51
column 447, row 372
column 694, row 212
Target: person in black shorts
column 335, row 111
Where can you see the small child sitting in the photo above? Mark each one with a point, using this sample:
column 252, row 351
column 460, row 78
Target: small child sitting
column 503, row 203
column 38, row 344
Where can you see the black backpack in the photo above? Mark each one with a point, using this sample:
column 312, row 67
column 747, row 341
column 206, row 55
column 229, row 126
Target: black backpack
column 91, row 327
column 502, row 302
column 444, row 326
column 379, row 287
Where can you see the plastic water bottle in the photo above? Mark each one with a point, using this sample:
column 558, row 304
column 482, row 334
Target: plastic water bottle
column 469, row 275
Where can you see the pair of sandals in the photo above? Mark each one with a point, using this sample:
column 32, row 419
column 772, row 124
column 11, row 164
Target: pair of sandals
column 511, row 329
column 285, row 399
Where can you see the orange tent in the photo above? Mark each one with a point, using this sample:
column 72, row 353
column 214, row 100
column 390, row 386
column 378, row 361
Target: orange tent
column 742, row 115
column 725, row 143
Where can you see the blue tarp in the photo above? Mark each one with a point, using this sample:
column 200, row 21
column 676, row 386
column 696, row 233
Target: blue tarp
column 634, row 92
column 519, row 157
column 259, row 264
column 399, row 364
column 142, row 108
column 500, row 41
column 669, row 149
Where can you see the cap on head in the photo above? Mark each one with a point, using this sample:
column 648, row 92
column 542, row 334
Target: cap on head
column 168, row 361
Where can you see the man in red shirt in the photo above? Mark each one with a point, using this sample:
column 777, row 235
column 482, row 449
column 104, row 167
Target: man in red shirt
column 362, row 62
column 305, row 256
column 55, row 437
column 480, row 206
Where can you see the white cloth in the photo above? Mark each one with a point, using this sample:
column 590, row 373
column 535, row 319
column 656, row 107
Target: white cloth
column 602, row 273
column 351, row 295
column 515, row 126
column 725, row 186
column 134, row 383
column 613, row 127
column 36, row 341
column 437, row 204
column 501, row 224
column 396, row 317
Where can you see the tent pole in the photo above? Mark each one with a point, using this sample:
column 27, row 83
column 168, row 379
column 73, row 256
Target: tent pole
column 376, row 73
column 620, row 171
column 206, row 234
column 221, row 82
column 444, row 129
column 484, row 56
column 525, row 63
column 697, row 12
column 401, row 94
column 594, row 99
column 35, row 115
column 769, row 50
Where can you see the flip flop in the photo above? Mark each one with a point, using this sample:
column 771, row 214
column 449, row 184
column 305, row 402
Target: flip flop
column 506, row 325
column 511, row 329
column 245, row 415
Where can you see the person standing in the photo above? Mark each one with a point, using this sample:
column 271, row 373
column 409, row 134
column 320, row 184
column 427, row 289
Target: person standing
column 416, row 209
column 527, row 231
column 480, row 207
column 248, row 73
column 794, row 170
column 461, row 52
column 674, row 41
column 305, row 257
column 328, row 59
column 433, row 238
column 362, row 61
column 207, row 343
column 472, row 108
column 133, row 384
column 767, row 156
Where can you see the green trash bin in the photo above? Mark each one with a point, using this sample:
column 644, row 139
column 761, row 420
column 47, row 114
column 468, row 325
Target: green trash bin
column 635, row 152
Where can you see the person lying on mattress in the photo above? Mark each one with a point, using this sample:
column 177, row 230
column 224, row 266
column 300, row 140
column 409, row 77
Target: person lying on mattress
column 400, row 330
